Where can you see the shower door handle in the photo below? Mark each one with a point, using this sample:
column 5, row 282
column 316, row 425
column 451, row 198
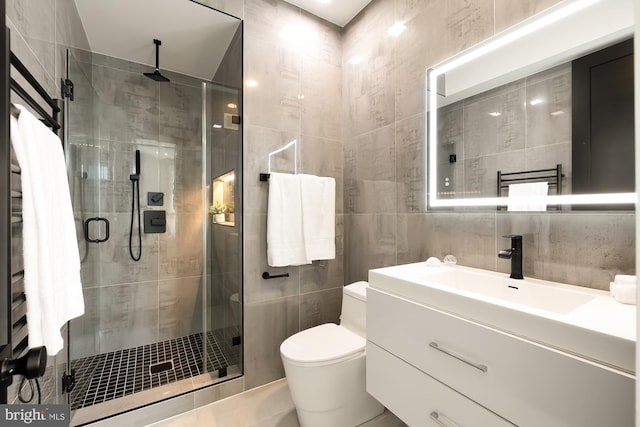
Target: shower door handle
column 106, row 230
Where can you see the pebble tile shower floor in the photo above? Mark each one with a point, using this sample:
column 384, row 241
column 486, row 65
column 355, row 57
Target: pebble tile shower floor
column 120, row 373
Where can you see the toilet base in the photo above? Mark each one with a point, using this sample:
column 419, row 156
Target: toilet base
column 368, row 408
column 332, row 395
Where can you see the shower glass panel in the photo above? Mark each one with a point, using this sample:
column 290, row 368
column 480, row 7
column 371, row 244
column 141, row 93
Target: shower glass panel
column 170, row 323
column 223, row 189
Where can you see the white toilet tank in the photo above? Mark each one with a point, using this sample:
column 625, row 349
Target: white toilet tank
column 354, row 308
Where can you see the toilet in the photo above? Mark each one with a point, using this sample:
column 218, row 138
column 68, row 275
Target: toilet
column 325, row 367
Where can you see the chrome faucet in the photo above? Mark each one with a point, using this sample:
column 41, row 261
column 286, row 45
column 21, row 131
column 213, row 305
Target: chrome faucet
column 515, row 255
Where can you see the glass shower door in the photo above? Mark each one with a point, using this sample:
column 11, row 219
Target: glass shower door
column 172, row 322
column 83, row 148
column 223, row 232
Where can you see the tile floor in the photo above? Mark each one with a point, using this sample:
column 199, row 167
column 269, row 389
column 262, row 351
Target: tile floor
column 120, row 373
column 266, row 406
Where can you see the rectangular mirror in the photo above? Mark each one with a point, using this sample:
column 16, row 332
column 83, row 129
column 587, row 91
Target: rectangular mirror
column 511, row 110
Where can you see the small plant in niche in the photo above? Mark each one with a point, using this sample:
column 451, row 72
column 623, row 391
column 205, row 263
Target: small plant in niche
column 217, row 210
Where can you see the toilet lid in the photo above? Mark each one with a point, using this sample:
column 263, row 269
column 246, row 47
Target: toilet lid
column 322, row 343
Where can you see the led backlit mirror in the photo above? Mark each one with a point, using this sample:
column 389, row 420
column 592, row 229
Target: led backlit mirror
column 499, row 80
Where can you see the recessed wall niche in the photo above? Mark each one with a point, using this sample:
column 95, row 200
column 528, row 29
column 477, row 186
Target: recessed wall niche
column 222, row 209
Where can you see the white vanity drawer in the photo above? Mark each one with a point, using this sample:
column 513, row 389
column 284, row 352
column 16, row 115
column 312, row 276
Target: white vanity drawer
column 529, row 384
column 418, row 399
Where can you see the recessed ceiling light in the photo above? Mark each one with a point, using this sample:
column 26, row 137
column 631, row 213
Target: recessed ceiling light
column 557, row 113
column 354, row 60
column 232, row 105
column 536, row 101
column 251, row 83
column 396, row 29
column 495, row 113
column 217, row 126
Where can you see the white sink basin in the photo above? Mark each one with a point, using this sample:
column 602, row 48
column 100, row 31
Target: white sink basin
column 496, row 285
column 583, row 321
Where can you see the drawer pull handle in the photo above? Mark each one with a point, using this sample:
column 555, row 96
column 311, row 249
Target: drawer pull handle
column 482, row 368
column 436, row 419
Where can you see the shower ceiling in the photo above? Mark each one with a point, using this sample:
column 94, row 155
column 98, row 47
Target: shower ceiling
column 340, row 12
column 125, row 29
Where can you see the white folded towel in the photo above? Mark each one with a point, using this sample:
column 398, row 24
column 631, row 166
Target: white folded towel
column 527, row 197
column 51, row 260
column 624, row 293
column 285, row 239
column 625, row 279
column 318, row 195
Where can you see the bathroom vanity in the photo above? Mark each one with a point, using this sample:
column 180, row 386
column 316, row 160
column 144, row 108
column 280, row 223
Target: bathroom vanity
column 457, row 346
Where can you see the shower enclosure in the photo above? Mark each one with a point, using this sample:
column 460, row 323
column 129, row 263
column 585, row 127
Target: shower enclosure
column 171, row 322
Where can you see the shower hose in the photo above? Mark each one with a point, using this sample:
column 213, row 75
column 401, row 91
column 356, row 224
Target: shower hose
column 135, row 184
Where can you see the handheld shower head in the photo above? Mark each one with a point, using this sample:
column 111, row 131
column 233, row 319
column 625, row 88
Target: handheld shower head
column 136, row 176
column 156, row 75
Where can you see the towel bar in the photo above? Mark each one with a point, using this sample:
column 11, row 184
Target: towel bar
column 267, row 276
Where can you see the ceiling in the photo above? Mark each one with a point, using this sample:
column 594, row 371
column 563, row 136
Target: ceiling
column 125, row 29
column 340, row 12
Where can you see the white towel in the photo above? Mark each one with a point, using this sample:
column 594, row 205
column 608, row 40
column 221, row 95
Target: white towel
column 318, row 216
column 625, row 279
column 51, row 259
column 623, row 292
column 527, row 196
column 285, row 240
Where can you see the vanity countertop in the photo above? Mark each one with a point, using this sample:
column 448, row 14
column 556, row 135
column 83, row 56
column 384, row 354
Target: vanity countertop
column 586, row 322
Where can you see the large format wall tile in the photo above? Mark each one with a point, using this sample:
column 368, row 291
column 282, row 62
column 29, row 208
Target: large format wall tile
column 370, row 242
column 319, row 115
column 180, row 117
column 180, row 247
column 116, row 264
column 35, row 23
column 370, row 172
column 585, row 249
column 470, row 237
column 369, row 85
column 111, row 310
column 320, row 307
column 268, row 323
column 276, row 68
column 69, row 29
column 128, row 106
column 180, row 307
column 411, row 155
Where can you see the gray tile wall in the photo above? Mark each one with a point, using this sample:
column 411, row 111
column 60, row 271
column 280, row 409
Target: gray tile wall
column 299, row 96
column 385, row 219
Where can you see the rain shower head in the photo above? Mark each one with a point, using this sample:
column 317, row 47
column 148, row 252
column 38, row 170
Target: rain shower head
column 157, row 75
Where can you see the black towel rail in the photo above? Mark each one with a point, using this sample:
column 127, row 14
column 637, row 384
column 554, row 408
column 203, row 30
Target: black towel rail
column 50, row 120
column 552, row 176
column 13, row 320
column 266, row 275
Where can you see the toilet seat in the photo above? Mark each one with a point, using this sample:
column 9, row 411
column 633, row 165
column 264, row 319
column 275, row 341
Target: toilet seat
column 322, row 345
